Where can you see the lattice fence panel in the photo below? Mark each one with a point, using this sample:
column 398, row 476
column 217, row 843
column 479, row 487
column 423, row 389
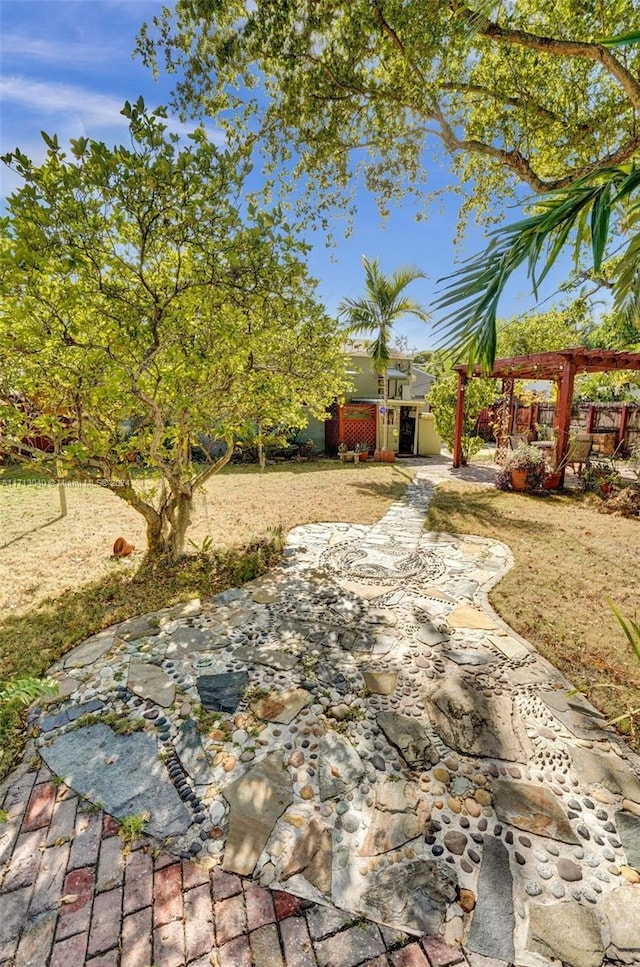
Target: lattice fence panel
column 360, row 424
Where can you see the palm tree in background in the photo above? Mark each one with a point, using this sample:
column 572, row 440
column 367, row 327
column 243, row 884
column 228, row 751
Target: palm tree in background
column 375, row 313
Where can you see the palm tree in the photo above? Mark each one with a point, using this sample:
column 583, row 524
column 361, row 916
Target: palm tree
column 587, row 213
column 382, row 305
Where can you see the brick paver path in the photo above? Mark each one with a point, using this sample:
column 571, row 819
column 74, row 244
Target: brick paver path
column 72, row 893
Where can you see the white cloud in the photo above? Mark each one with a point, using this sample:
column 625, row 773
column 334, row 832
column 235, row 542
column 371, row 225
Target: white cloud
column 54, row 98
column 58, row 51
column 71, row 112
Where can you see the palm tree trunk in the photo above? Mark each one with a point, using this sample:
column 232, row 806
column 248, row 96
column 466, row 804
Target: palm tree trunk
column 385, row 432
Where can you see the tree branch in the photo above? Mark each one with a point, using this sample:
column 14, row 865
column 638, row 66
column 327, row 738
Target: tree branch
column 527, row 104
column 552, row 45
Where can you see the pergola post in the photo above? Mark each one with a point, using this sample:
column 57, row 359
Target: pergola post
column 624, row 420
column 563, row 414
column 457, row 437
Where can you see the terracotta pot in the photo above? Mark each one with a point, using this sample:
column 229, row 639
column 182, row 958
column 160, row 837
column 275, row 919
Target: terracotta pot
column 552, row 481
column 364, row 457
column 518, row 480
column 122, row 548
column 384, row 456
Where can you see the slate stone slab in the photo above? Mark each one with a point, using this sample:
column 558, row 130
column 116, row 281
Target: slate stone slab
column 256, row 802
column 468, row 657
column 340, row 767
column 152, row 683
column 411, row 896
column 606, row 770
column 271, row 657
column 191, row 753
column 122, row 773
column 222, row 693
column 282, row 707
column 193, row 639
column 400, row 815
column 629, row 833
column 532, row 808
column 89, row 651
column 622, row 910
column 429, row 635
column 313, row 856
column 474, row 722
column 578, row 716
column 146, row 626
column 75, row 712
column 380, row 683
column 410, row 738
column 567, row 931
column 466, row 616
column 493, row 918
column 510, row 647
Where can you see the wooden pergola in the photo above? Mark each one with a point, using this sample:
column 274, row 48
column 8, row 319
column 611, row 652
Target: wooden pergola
column 560, row 367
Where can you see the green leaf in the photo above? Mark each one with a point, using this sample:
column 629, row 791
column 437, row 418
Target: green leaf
column 620, row 40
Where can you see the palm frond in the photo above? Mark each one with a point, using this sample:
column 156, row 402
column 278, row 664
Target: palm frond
column 383, row 303
column 620, row 40
column 584, row 209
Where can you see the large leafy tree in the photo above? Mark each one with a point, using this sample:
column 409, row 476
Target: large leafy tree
column 374, row 314
column 544, row 331
column 516, row 93
column 140, row 310
column 442, row 399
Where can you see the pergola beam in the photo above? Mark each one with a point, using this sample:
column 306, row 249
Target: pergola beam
column 549, row 366
column 560, row 366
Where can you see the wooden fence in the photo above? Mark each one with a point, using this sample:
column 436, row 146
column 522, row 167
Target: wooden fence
column 615, row 426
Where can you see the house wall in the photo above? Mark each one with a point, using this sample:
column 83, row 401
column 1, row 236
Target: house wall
column 365, row 382
column 315, row 431
column 429, row 443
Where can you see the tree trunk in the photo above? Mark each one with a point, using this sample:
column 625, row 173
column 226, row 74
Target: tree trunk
column 178, row 521
column 155, row 538
column 385, row 431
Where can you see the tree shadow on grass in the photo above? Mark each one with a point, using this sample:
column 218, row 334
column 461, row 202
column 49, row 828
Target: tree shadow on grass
column 32, row 530
column 388, row 489
column 481, row 507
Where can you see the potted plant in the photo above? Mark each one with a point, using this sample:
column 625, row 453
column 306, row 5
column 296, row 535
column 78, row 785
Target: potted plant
column 552, row 480
column 600, row 476
column 523, row 470
column 346, row 455
column 363, row 452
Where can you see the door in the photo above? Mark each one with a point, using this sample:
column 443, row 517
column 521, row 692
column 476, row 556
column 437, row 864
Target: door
column 407, row 430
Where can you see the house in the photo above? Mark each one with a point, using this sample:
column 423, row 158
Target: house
column 360, row 419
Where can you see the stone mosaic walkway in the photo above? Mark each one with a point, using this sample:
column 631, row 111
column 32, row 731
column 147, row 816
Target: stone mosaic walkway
column 350, row 761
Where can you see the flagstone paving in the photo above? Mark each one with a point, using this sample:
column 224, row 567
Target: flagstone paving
column 350, row 761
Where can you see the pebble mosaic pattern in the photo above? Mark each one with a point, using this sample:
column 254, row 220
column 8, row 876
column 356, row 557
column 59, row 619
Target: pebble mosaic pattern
column 358, row 728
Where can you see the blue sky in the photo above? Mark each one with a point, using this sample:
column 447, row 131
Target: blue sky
column 67, row 68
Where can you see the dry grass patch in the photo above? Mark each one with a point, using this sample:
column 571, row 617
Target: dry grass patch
column 43, row 555
column 568, row 560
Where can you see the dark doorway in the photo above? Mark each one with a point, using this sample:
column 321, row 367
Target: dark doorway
column 332, row 432
column 407, row 435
